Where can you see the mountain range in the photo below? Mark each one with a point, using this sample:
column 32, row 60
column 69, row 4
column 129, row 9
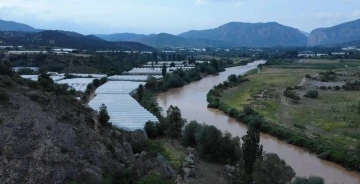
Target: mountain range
column 233, row 34
column 12, row 33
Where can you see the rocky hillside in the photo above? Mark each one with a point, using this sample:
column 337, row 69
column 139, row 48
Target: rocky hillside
column 342, row 33
column 49, row 137
column 252, row 35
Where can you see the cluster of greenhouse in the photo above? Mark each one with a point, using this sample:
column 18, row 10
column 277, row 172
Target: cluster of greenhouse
column 124, row 111
column 118, row 87
column 132, row 77
column 154, row 71
column 88, row 75
column 35, row 77
column 79, row 84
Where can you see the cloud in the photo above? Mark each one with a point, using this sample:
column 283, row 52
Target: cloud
column 238, row 4
column 356, row 13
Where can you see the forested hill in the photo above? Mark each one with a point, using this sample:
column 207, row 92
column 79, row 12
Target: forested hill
column 66, row 39
column 14, row 26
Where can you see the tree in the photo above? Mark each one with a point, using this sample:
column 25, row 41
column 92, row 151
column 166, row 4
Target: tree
column 175, row 121
column 96, row 83
column 309, row 180
column 233, row 78
column 189, row 137
column 215, row 64
column 151, row 129
column 104, row 116
column 140, row 92
column 271, row 169
column 252, row 150
column 163, row 70
column 172, row 64
column 155, row 58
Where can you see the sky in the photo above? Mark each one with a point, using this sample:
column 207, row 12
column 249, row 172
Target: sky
column 174, row 16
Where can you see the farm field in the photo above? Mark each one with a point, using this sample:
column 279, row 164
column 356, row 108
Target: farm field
column 332, row 117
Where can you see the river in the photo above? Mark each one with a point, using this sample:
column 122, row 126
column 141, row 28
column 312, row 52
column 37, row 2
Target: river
column 191, row 99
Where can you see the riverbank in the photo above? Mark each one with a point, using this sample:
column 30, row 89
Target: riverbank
column 263, row 95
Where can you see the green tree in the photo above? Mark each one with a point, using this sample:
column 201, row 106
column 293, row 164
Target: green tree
column 271, row 169
column 215, row 64
column 163, row 70
column 172, row 64
column 104, row 116
column 175, row 121
column 96, row 83
column 151, row 129
column 189, row 137
column 140, row 92
column 252, row 150
column 309, row 180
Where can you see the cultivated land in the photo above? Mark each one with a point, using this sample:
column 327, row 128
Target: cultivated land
column 333, row 117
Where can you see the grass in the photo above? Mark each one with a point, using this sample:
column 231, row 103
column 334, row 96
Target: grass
column 333, row 116
column 320, row 61
column 174, row 152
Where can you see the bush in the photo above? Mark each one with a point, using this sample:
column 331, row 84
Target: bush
column 312, row 94
column 323, row 88
column 308, row 76
column 309, row 180
column 291, row 94
column 248, row 110
column 151, row 129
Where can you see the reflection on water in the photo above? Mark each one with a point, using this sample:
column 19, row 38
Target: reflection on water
column 191, row 99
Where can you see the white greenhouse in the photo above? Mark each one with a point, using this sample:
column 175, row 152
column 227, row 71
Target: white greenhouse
column 132, row 77
column 79, row 84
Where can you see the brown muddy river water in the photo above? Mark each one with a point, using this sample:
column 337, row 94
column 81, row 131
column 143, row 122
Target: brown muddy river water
column 191, row 99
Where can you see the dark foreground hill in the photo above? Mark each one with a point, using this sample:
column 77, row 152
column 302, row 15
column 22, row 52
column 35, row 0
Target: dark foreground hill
column 67, row 39
column 46, row 136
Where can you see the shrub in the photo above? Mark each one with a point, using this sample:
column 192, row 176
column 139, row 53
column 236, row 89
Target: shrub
column 309, row 180
column 104, row 116
column 337, row 88
column 312, row 94
column 248, row 110
column 308, row 76
column 323, row 88
column 151, row 129
column 291, row 94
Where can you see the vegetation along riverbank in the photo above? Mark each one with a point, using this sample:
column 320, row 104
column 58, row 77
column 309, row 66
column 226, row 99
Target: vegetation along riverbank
column 314, row 106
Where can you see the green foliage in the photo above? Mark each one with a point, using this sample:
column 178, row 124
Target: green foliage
column 153, row 179
column 291, row 94
column 213, row 146
column 309, row 180
column 154, row 148
column 96, row 83
column 308, row 76
column 189, row 138
column 174, row 121
column 163, row 70
column 312, row 94
column 140, row 92
column 271, row 169
column 5, row 69
column 104, row 116
column 25, row 71
column 252, row 150
column 248, row 110
column 233, row 78
column 154, row 129
column 121, row 177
